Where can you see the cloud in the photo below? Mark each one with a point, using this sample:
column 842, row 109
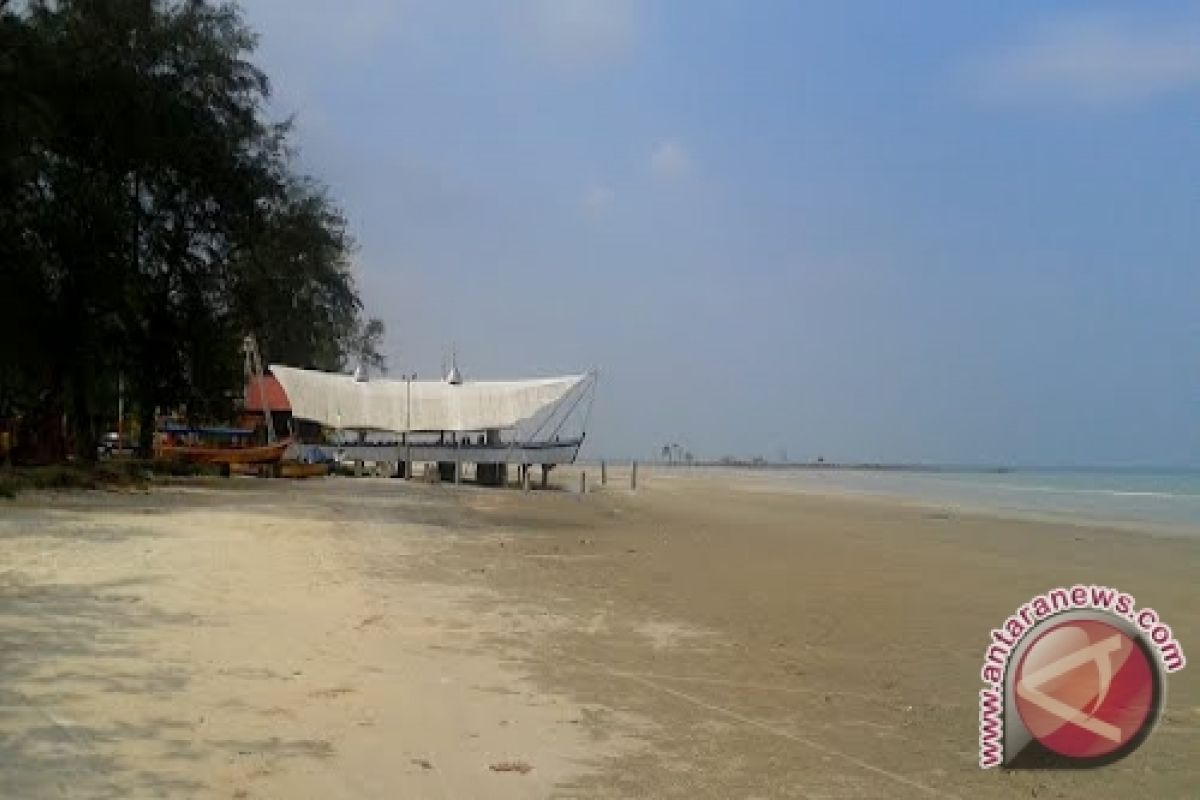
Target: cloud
column 597, row 199
column 579, row 32
column 1099, row 61
column 670, row 160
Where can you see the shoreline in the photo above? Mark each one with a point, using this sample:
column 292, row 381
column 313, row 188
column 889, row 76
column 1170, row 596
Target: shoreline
column 735, row 480
column 752, row 479
column 869, row 466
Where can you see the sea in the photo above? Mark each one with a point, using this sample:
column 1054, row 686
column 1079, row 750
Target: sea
column 1164, row 499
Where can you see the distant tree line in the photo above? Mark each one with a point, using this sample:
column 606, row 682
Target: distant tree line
column 150, row 217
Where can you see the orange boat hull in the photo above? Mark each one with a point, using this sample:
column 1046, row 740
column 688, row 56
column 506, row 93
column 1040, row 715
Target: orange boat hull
column 284, row 469
column 291, row 469
column 266, row 454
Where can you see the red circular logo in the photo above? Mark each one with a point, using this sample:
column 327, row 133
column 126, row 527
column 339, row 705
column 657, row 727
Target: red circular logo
column 1085, row 689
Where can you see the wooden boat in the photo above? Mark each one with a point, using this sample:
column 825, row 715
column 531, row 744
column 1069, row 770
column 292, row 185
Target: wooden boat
column 204, row 454
column 229, row 447
column 283, row 469
column 297, row 469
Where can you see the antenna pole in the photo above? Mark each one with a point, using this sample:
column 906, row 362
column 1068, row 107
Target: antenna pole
column 254, row 375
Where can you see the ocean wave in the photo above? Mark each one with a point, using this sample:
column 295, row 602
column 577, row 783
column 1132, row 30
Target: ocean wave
column 1007, row 487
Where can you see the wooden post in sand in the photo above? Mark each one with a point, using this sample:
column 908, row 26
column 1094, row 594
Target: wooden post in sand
column 633, row 478
column 582, row 484
column 525, row 477
column 604, row 473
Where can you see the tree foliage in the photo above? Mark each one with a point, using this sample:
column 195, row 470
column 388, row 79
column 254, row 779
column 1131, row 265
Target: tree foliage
column 150, row 218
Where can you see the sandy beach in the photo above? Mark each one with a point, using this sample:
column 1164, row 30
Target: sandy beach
column 363, row 638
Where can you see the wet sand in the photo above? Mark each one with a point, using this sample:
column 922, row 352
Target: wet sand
column 700, row 638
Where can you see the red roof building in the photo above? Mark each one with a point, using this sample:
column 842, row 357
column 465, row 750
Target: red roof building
column 276, row 398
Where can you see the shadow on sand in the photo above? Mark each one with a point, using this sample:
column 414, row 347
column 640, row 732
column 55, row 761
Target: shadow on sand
column 45, row 628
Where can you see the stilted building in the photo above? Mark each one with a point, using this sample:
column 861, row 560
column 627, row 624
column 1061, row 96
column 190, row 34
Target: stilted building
column 452, row 422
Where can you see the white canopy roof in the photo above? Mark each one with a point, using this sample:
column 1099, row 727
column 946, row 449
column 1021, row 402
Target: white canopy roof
column 339, row 401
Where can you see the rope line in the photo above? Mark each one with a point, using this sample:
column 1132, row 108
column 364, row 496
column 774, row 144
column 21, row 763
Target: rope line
column 764, row 726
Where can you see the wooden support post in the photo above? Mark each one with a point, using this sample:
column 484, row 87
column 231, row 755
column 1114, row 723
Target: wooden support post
column 633, row 477
column 525, row 477
column 359, row 466
column 582, row 484
column 604, row 473
column 545, row 475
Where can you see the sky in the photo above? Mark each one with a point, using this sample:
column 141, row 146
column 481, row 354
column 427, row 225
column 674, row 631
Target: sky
column 935, row 232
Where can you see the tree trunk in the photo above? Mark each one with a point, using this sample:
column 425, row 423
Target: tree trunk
column 39, row 435
column 82, row 422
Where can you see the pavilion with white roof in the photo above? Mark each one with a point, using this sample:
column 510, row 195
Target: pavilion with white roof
column 450, row 422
